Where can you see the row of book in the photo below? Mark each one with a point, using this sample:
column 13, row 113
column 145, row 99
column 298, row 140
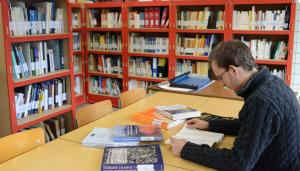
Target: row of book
column 200, row 19
column 105, row 63
column 105, row 41
column 104, row 86
column 78, row 85
column 36, row 98
column 53, row 128
column 149, row 17
column 76, row 41
column 278, row 72
column 133, row 84
column 201, row 45
column 261, row 19
column 76, row 19
column 148, row 44
column 77, row 64
column 195, row 67
column 106, row 18
column 38, row 18
column 148, row 67
column 37, row 58
column 264, row 49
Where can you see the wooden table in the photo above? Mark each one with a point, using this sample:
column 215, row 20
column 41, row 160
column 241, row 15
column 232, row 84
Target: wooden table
column 215, row 89
column 66, row 152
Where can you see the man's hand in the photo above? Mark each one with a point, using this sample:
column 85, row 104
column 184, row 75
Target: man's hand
column 197, row 123
column 177, row 145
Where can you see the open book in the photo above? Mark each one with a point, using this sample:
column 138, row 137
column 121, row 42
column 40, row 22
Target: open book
column 197, row 136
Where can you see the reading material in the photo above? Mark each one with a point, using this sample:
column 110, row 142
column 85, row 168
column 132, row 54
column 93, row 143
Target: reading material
column 149, row 116
column 178, row 111
column 103, row 137
column 144, row 157
column 137, row 133
column 197, row 136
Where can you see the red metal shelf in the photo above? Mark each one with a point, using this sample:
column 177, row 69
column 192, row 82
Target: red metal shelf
column 77, row 52
column 200, row 58
column 41, row 78
column 37, row 118
column 43, row 37
column 108, row 4
column 76, row 29
column 142, row 78
column 93, row 98
column 80, row 99
column 197, row 2
column 261, row 32
column 200, row 31
column 78, row 74
column 271, row 62
column 105, row 52
column 147, row 3
column 75, row 5
column 104, row 29
column 105, row 74
column 150, row 30
column 251, row 2
column 152, row 55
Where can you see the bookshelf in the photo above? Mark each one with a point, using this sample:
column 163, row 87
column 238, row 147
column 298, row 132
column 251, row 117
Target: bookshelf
column 36, row 67
column 189, row 31
column 104, row 51
column 78, row 32
column 272, row 33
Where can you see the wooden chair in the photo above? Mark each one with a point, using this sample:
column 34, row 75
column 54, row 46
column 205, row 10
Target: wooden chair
column 93, row 112
column 19, row 143
column 132, row 96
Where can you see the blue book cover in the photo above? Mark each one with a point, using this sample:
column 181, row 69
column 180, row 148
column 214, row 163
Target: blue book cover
column 133, row 158
column 190, row 82
column 137, row 133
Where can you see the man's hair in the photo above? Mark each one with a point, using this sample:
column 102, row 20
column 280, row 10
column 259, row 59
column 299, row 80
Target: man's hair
column 233, row 52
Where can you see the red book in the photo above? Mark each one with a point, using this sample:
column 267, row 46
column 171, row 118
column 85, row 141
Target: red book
column 151, row 17
column 100, row 64
column 147, row 20
column 164, row 17
column 156, row 17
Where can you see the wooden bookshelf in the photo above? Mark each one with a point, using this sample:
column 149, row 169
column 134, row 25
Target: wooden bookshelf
column 11, row 36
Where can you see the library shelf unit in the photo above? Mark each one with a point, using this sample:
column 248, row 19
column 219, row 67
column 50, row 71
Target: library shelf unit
column 272, row 31
column 36, row 66
column 78, row 31
column 191, row 28
column 148, row 43
column 104, row 51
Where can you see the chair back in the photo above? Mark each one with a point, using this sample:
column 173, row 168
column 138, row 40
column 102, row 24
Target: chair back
column 93, row 112
column 132, row 96
column 16, row 144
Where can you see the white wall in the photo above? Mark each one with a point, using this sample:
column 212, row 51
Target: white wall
column 295, row 84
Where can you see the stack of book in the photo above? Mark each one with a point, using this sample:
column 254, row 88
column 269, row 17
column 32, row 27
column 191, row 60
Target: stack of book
column 177, row 112
column 122, row 135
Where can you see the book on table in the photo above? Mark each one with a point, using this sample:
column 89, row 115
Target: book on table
column 150, row 116
column 213, row 117
column 103, row 137
column 178, row 111
column 190, row 81
column 137, row 133
column 197, row 136
column 134, row 158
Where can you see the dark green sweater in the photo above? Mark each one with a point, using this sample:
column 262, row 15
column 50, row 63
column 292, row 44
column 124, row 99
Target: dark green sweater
column 268, row 130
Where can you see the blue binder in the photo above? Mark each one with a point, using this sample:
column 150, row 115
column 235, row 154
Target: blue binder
column 190, row 82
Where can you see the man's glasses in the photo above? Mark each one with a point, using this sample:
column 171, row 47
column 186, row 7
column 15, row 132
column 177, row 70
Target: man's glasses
column 220, row 77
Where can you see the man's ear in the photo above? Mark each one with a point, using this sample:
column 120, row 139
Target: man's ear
column 234, row 69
